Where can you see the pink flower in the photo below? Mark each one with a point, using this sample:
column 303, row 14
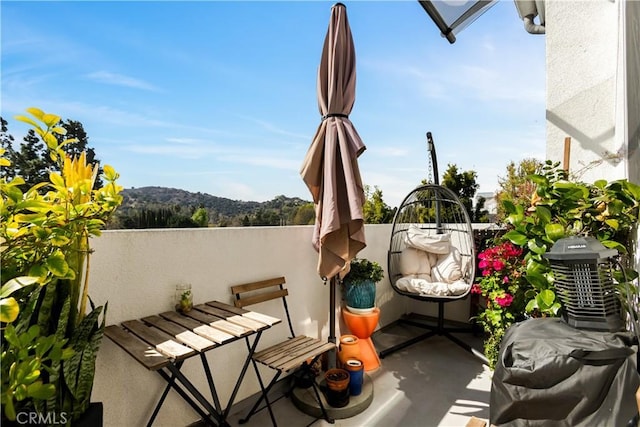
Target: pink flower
column 483, row 264
column 505, row 279
column 475, row 289
column 498, row 265
column 504, row 301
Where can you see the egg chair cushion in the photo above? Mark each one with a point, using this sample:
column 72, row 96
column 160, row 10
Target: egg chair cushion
column 416, row 261
column 448, row 268
column 415, row 237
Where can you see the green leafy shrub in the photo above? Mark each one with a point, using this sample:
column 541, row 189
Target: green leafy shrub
column 53, row 337
column 523, row 284
column 560, row 208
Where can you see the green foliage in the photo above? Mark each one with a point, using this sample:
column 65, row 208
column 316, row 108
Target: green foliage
column 162, row 217
column 25, row 359
column 375, row 210
column 559, row 208
column 45, row 233
column 32, row 161
column 304, row 215
column 361, row 269
column 201, row 217
column 522, row 285
column 516, row 185
column 464, row 186
column 161, row 207
column 504, row 290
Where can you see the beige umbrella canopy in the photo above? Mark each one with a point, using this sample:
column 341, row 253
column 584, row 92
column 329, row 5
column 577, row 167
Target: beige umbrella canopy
column 330, row 168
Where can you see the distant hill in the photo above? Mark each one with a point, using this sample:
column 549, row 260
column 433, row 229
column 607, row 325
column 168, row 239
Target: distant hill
column 149, row 197
column 158, row 197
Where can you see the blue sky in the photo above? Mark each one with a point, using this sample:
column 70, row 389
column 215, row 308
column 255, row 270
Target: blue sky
column 220, row 97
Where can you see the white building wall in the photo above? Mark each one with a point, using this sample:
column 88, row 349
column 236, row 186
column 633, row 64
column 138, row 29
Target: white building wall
column 593, row 89
column 632, row 70
column 582, row 68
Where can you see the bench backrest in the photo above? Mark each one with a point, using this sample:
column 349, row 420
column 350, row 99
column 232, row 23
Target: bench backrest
column 247, row 294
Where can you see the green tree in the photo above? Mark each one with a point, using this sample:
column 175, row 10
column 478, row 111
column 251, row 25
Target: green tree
column 375, row 210
column 32, row 161
column 463, row 184
column 29, row 161
column 79, row 143
column 6, row 142
column 304, row 215
column 516, row 186
column 480, row 214
column 201, row 217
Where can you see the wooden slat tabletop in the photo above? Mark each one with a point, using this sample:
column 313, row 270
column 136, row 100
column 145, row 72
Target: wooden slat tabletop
column 172, row 333
column 181, row 320
column 171, row 328
column 157, row 338
column 227, row 307
column 138, row 349
column 202, row 317
column 180, row 333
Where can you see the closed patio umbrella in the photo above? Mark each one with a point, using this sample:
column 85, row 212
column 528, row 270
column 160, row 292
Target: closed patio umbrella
column 330, row 168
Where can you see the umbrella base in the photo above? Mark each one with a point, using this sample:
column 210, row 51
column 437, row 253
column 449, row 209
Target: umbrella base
column 306, row 401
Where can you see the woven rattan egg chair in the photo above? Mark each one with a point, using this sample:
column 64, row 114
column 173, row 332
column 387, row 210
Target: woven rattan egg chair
column 431, row 255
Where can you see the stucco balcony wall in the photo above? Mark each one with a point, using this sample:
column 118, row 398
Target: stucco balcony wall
column 136, row 273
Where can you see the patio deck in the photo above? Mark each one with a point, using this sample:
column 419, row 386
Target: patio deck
column 431, row 383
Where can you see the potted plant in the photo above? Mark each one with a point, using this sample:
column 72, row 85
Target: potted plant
column 360, row 285
column 52, row 329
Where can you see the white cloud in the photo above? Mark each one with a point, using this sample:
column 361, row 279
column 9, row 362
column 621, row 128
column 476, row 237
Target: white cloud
column 269, row 160
column 387, row 151
column 116, row 79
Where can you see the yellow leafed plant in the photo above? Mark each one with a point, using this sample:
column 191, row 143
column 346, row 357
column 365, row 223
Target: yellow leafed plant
column 45, row 251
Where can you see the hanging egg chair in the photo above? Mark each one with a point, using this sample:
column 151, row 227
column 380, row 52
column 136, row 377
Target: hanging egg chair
column 431, row 255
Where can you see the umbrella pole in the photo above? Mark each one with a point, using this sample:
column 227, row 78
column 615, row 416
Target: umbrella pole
column 332, row 320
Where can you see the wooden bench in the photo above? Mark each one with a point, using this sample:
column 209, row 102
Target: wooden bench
column 295, row 353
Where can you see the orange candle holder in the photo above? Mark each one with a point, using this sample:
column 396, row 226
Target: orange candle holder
column 362, row 326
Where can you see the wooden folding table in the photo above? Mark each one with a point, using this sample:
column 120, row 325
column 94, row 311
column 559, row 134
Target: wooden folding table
column 163, row 342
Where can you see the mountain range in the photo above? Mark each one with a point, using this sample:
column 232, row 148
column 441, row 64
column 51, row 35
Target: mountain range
column 155, row 197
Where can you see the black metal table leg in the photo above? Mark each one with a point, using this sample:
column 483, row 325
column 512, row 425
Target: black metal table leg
column 196, row 394
column 242, row 373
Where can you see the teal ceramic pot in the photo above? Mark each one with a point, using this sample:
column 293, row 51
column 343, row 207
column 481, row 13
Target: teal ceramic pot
column 361, row 295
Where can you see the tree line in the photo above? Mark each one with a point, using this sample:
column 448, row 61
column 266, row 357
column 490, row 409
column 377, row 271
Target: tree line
column 157, row 209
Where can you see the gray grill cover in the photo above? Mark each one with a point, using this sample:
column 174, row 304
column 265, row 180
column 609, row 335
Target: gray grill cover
column 551, row 374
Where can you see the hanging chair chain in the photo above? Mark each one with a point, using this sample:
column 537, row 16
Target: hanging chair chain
column 430, row 171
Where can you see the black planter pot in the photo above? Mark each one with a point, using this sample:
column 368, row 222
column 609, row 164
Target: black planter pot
column 92, row 418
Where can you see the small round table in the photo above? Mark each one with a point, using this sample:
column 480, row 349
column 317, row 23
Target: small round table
column 362, row 326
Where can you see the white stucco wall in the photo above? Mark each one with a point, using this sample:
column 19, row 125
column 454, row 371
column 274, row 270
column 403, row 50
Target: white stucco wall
column 136, row 272
column 583, row 70
column 632, row 70
column 593, row 88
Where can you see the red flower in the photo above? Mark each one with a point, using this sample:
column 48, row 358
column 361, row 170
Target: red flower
column 504, row 301
column 475, row 289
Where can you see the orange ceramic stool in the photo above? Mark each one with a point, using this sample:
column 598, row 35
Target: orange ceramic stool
column 362, row 326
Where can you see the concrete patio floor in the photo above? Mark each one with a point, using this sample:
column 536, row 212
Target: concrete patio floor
column 431, row 383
